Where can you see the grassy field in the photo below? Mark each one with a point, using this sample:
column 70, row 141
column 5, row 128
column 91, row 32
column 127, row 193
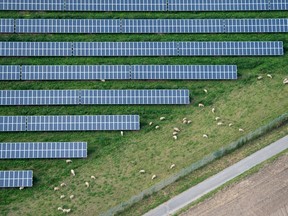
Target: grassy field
column 116, row 160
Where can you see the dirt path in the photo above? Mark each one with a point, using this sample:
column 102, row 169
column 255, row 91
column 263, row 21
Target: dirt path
column 264, row 193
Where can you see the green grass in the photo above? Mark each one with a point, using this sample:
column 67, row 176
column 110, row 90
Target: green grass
column 116, row 160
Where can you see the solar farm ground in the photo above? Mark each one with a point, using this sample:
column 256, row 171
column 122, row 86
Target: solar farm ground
column 116, row 160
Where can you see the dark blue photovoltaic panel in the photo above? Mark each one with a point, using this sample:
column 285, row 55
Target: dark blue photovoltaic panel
column 11, row 178
column 68, row 26
column 9, row 72
column 198, row 72
column 6, row 25
column 32, row 5
column 125, row 49
column 12, row 123
column 218, row 5
column 231, row 48
column 278, row 5
column 256, row 25
column 76, row 72
column 147, row 97
column 116, row 5
column 35, row 49
column 39, row 97
column 83, row 123
column 43, row 150
column 172, row 26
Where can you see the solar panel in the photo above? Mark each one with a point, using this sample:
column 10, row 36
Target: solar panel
column 43, row 150
column 83, row 123
column 9, row 72
column 12, row 123
column 256, row 25
column 16, row 178
column 76, row 72
column 198, row 72
column 172, row 26
column 68, row 26
column 218, row 5
column 6, row 25
column 39, row 97
column 116, row 5
column 32, row 5
column 35, row 49
column 278, row 5
column 230, row 48
column 125, row 49
column 135, row 97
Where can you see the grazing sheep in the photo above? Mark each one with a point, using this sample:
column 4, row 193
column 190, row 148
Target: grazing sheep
column 270, row 76
column 189, row 122
column 142, row 171
column 241, row 130
column 175, row 137
column 71, row 196
column 150, row 123
column 63, row 184
column 200, row 105
column 21, row 188
column 230, row 124
column 157, row 127
column 184, row 122
column 184, row 119
column 66, row 210
column 122, row 133
column 87, row 184
column 68, row 161
column 172, row 166
column 72, row 172
column 176, row 129
column 175, row 133
column 205, row 90
column 162, row 118
column 102, row 80
column 154, row 177
column 285, row 81
column 56, row 188
column 93, row 177
column 205, row 136
column 60, row 209
column 62, row 196
column 217, row 118
column 220, row 123
column 213, row 110
column 259, row 78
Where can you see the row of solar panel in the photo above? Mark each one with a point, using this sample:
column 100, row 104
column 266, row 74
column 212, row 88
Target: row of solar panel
column 143, row 25
column 23, row 178
column 267, row 48
column 43, row 150
column 117, row 72
column 93, row 97
column 145, row 5
column 69, row 123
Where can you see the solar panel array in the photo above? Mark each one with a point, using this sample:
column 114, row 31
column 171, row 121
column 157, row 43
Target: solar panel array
column 143, row 25
column 16, row 178
column 76, row 72
column 43, row 150
column 6, row 25
column 9, row 72
column 92, row 97
column 67, row 26
column 35, row 49
column 69, row 123
column 144, row 5
column 206, row 72
column 230, row 48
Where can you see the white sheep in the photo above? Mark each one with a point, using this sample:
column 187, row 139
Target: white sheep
column 259, row 78
column 175, row 137
column 102, row 80
column 93, row 177
column 270, row 76
column 62, row 196
column 162, row 118
column 71, row 196
column 205, row 136
column 205, row 90
column 220, row 123
column 189, row 122
column 122, row 133
column 184, row 119
column 200, row 105
column 175, row 133
column 157, row 127
column 66, row 210
column 87, row 184
column 72, row 172
column 56, row 188
column 154, row 177
column 150, row 123
column 172, row 166
column 142, row 171
column 230, row 124
column 176, row 129
column 285, row 81
column 241, row 130
column 185, row 122
column 60, row 209
column 213, row 110
column 217, row 118
column 21, row 188
column 68, row 161
column 63, row 184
